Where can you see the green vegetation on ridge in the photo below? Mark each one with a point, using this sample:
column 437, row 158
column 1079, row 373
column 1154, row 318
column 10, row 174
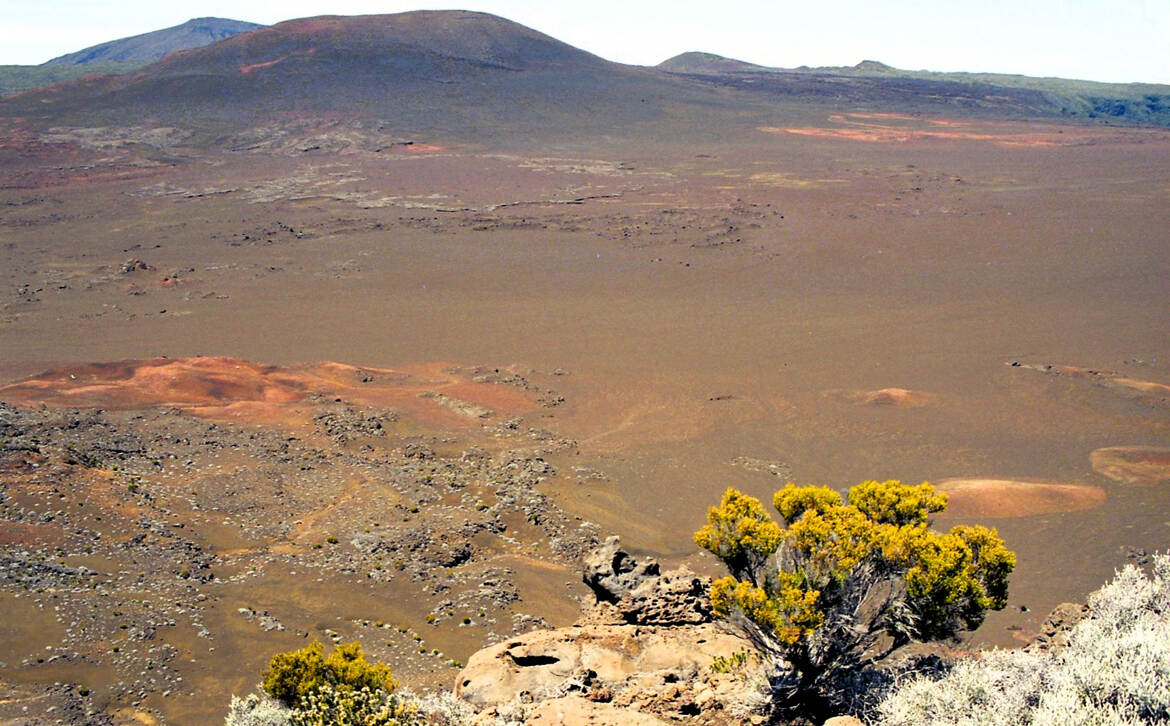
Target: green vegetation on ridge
column 1142, row 103
column 14, row 79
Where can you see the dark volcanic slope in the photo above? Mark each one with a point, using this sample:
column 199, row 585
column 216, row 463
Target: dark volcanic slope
column 152, row 46
column 477, row 77
column 456, row 72
column 871, row 82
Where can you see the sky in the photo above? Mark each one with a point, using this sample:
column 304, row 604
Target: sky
column 1102, row 40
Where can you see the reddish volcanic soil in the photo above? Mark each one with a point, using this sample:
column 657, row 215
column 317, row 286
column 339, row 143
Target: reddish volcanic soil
column 1009, row 498
column 243, row 392
column 896, row 397
column 1133, row 464
column 894, row 128
column 637, row 326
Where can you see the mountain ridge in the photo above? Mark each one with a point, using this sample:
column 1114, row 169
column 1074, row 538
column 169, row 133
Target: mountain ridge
column 1141, row 103
column 694, row 61
column 474, row 75
column 156, row 44
column 451, row 72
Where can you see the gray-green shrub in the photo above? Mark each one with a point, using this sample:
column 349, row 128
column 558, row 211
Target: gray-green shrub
column 257, row 710
column 1114, row 669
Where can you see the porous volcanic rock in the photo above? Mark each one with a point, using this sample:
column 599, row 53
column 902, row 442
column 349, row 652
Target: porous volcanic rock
column 640, row 593
column 659, row 669
column 587, row 658
column 579, row 710
column 1058, row 625
column 645, row 652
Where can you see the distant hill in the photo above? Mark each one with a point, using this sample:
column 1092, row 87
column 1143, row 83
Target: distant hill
column 121, row 56
column 159, row 43
column 479, row 77
column 463, row 73
column 697, row 62
column 1143, row 103
column 14, row 79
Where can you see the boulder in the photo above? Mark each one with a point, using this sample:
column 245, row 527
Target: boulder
column 1058, row 625
column 612, row 573
column 582, row 658
column 579, row 711
column 646, row 652
column 663, row 671
column 643, row 595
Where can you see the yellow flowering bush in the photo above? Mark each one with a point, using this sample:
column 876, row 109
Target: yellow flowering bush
column 841, row 585
column 740, row 533
column 893, row 502
column 789, row 611
column 306, row 687
column 793, row 501
column 292, row 677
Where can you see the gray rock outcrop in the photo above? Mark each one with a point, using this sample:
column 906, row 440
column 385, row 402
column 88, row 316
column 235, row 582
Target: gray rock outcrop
column 1055, row 629
column 640, row 593
column 645, row 653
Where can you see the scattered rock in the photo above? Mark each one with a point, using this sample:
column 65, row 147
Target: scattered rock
column 463, row 408
column 779, row 469
column 59, row 703
column 344, row 424
column 134, row 265
column 1151, row 392
column 98, row 504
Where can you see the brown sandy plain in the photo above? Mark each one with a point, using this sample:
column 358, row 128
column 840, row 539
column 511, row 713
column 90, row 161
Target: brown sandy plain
column 854, row 297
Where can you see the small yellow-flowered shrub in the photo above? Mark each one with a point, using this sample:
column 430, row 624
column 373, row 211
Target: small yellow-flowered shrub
column 841, row 585
column 293, row 677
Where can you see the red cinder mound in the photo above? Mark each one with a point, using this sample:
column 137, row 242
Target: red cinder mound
column 1017, row 498
column 155, row 382
column 231, row 388
column 1133, row 464
column 896, row 397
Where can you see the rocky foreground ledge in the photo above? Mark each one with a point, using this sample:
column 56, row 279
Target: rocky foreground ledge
column 646, row 652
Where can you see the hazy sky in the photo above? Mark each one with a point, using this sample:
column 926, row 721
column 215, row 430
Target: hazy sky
column 1106, row 40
